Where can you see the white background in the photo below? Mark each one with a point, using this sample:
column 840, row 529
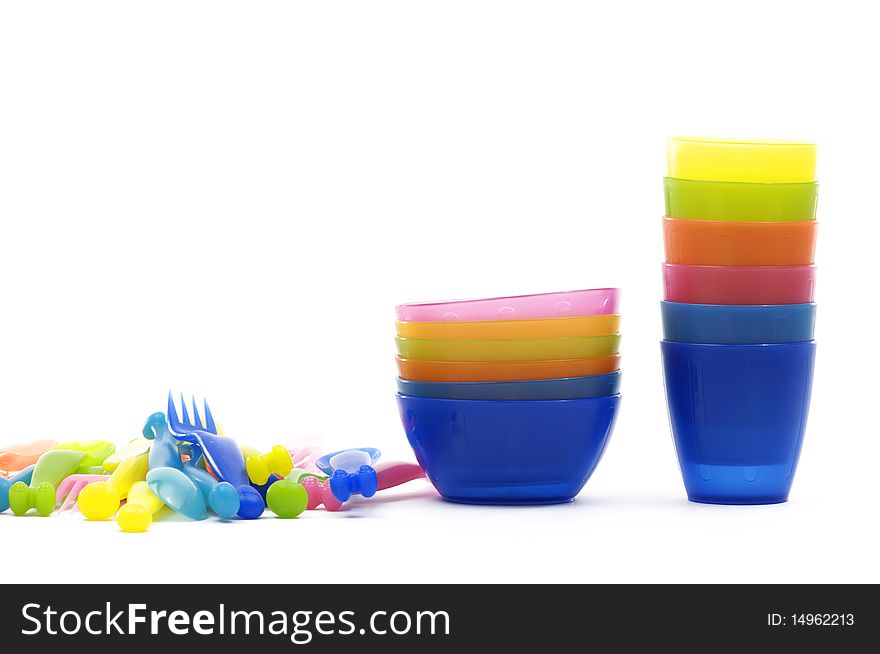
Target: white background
column 228, row 198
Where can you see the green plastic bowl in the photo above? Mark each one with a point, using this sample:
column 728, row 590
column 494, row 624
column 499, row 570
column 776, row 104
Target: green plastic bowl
column 525, row 349
column 740, row 201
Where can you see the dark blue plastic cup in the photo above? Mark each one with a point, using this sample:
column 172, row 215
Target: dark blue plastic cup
column 737, row 324
column 508, row 452
column 738, row 414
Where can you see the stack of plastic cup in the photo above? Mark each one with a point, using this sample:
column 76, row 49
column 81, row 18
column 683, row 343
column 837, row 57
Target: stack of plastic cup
column 510, row 400
column 738, row 314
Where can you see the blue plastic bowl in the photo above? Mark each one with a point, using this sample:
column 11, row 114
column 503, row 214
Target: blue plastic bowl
column 724, row 324
column 738, row 415
column 508, row 452
column 571, row 388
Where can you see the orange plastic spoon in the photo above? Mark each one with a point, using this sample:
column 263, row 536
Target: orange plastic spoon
column 20, row 456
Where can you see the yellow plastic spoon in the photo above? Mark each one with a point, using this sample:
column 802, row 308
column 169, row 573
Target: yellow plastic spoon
column 100, row 500
column 137, row 514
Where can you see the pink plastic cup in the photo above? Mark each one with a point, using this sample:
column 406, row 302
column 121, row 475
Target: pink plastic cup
column 592, row 302
column 738, row 284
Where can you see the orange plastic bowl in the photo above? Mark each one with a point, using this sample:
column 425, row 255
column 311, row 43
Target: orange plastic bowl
column 725, row 243
column 608, row 323
column 480, row 371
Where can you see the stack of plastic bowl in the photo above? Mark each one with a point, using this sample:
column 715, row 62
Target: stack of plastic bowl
column 510, row 400
column 738, row 318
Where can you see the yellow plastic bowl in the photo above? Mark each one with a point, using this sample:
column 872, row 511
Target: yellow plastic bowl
column 513, row 329
column 532, row 349
column 741, row 160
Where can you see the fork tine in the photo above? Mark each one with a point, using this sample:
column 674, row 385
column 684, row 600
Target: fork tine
column 209, row 420
column 62, row 489
column 186, row 420
column 173, row 419
column 68, row 501
column 71, row 492
column 196, row 417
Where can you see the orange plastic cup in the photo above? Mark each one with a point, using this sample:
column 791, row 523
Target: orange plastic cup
column 725, row 243
column 480, row 371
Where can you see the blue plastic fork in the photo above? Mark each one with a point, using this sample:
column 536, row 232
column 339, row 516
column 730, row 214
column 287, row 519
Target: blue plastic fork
column 221, row 453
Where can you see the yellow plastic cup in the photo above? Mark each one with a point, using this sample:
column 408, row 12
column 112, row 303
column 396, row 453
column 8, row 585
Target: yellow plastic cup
column 741, row 160
column 513, row 329
column 532, row 349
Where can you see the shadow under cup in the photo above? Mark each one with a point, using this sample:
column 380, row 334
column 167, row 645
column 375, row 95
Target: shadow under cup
column 738, row 414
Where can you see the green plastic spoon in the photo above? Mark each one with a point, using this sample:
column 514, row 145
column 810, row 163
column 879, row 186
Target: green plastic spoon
column 51, row 468
column 95, row 452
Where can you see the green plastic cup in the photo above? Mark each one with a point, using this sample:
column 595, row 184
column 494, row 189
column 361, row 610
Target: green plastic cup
column 740, row 201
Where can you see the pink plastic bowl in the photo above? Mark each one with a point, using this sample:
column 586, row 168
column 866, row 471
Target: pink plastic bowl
column 592, row 302
column 738, row 284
